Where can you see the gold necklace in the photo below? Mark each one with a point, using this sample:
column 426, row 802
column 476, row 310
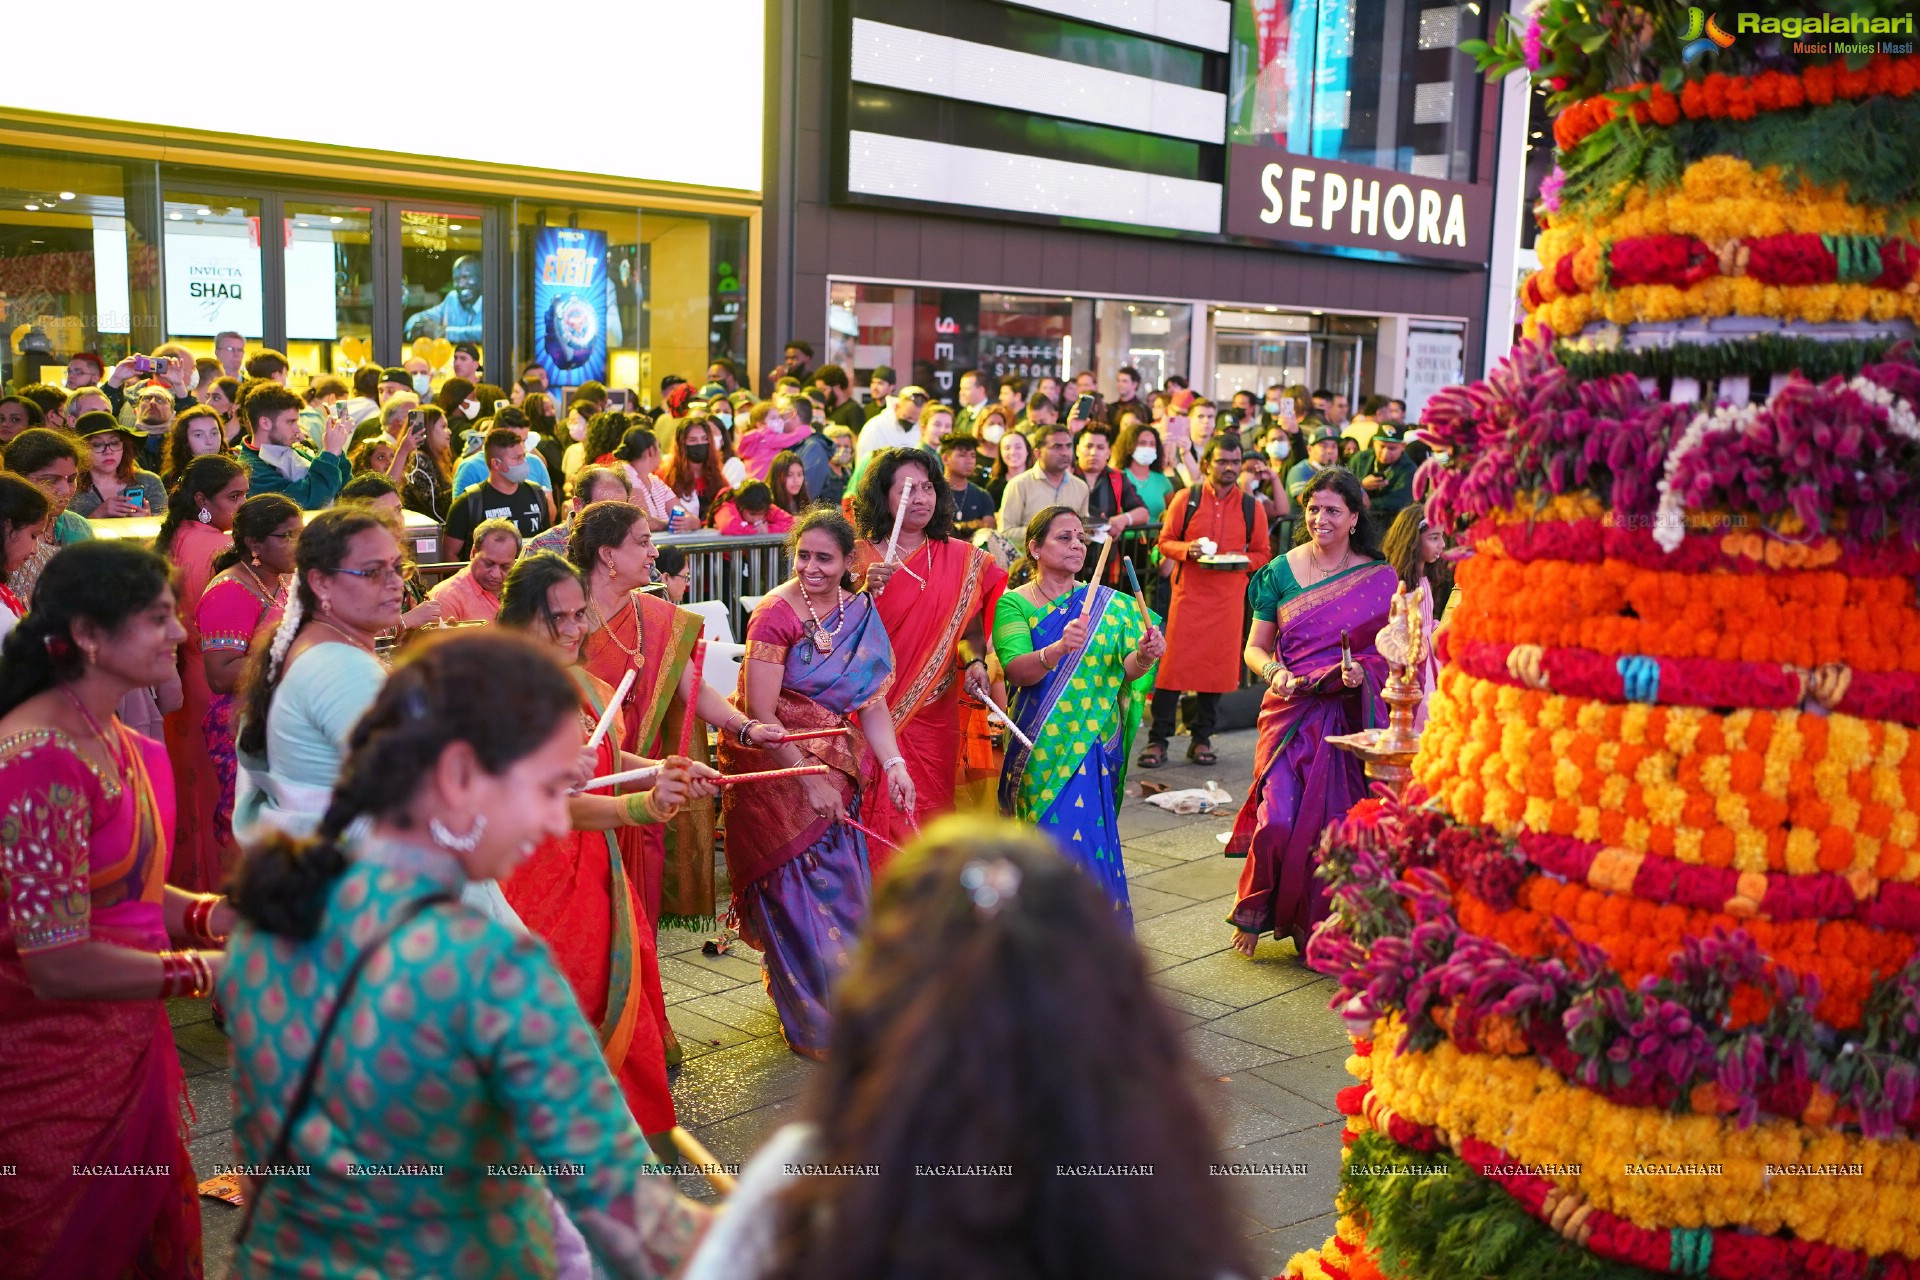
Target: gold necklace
column 1322, row 570
column 346, row 635
column 260, row 586
column 822, row 635
column 602, row 623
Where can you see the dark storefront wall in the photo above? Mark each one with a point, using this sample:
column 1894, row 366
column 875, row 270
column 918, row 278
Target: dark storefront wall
column 819, row 239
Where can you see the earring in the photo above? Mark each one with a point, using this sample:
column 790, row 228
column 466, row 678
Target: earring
column 326, row 607
column 466, row 842
column 206, row 516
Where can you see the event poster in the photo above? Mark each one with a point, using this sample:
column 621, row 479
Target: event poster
column 570, row 304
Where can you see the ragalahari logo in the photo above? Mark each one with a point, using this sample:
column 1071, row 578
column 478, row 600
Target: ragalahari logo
column 1702, row 35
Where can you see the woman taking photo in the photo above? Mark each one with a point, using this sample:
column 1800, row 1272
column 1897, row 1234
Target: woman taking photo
column 817, row 654
column 1418, row 553
column 1324, row 600
column 429, row 483
column 964, row 966
column 23, row 520
column 1100, row 665
column 194, row 434
column 247, row 591
column 304, row 689
column 574, row 891
column 405, row 1029
column 935, row 600
column 1016, row 455
column 198, row 529
column 692, row 470
column 113, row 486
column 97, row 940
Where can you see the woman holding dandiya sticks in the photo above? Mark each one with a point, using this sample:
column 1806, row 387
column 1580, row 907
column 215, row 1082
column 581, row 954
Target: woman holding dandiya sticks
column 96, row 940
column 935, row 595
column 574, row 890
column 1316, row 611
column 1084, row 670
column 797, row 857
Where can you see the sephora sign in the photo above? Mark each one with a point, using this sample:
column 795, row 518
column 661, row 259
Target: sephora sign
column 1276, row 195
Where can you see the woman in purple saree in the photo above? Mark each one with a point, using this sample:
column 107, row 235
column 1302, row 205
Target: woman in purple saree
column 1334, row 585
column 817, row 654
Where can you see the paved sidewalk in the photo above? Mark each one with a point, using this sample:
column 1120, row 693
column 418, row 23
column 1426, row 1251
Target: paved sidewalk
column 1268, row 1050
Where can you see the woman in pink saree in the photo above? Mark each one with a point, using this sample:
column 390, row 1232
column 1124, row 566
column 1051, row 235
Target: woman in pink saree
column 1316, row 611
column 92, row 1128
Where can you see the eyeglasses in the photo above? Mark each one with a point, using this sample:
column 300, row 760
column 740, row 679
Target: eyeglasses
column 378, row 574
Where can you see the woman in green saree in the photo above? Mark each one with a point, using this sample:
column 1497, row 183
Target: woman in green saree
column 1083, row 674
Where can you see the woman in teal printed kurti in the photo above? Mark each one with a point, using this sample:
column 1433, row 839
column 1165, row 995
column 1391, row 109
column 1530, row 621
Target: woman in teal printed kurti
column 461, row 1090
column 1081, row 678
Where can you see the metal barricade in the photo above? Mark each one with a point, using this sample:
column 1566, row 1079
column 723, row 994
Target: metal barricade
column 736, row 571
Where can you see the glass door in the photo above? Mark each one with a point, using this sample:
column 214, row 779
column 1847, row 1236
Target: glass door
column 442, row 287
column 330, row 287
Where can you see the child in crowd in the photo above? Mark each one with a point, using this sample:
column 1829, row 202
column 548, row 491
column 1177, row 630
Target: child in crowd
column 751, row 512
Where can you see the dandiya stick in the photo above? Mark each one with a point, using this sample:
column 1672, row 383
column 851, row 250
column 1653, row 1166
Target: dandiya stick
column 770, row 775
column 1099, row 572
column 899, row 516
column 613, row 709
column 646, row 774
column 691, row 712
column 871, row 834
column 811, row 734
column 995, row 713
column 1133, row 580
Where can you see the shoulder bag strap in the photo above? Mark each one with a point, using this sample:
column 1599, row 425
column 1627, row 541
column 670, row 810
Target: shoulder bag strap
column 303, row 1093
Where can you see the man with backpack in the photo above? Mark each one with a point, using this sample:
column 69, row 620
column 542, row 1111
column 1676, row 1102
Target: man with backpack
column 1215, row 536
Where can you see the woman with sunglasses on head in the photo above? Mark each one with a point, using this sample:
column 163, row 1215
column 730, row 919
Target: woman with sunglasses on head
column 381, row 1027
column 248, row 591
column 97, row 941
column 574, row 890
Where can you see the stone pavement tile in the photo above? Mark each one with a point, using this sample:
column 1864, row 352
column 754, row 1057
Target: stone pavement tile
column 700, row 1035
column 1196, row 1006
column 719, row 1085
column 1280, row 1200
column 1297, row 1111
column 733, row 965
column 1301, row 1236
column 1237, row 1122
column 675, row 992
column 1318, row 1077
column 211, row 1094
column 1203, row 879
column 202, row 1047
column 1141, row 861
column 218, row 1220
column 1150, row 904
column 1219, row 1055
column 1158, row 960
column 1230, row 978
column 697, row 976
column 1198, row 840
column 1199, row 930
column 738, row 1014
column 182, row 1011
column 1293, row 1024
column 735, row 1139
column 1138, row 818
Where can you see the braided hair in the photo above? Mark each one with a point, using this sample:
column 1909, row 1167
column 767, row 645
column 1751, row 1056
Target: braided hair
column 426, row 706
column 323, row 549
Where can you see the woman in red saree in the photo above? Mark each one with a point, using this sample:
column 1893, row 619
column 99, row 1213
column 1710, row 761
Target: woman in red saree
column 934, row 599
column 197, row 528
column 575, row 892
column 92, row 1129
column 1332, row 586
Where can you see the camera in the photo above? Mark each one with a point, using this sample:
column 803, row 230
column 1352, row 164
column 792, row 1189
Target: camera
column 150, row 364
column 416, row 421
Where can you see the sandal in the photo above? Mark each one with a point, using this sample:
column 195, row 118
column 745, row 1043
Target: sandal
column 1202, row 753
column 1154, row 756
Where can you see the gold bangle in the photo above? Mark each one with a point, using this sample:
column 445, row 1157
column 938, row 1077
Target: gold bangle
column 642, row 809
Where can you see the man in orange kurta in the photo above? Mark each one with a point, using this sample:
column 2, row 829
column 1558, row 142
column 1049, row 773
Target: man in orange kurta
column 1206, row 622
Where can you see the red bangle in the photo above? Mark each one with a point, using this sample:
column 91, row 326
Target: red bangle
column 199, row 919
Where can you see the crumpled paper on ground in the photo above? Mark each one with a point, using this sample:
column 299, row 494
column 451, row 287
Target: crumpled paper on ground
column 1206, row 799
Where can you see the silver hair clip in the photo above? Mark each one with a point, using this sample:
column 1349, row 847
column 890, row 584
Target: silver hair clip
column 990, row 884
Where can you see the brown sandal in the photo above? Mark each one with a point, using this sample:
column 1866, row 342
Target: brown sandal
column 1202, row 753
column 1154, row 756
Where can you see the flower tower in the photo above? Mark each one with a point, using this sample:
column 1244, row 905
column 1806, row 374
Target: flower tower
column 1631, row 967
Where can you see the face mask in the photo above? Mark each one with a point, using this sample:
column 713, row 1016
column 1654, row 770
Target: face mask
column 470, row 408
column 577, row 428
column 1276, row 451
column 726, row 419
column 519, row 471
column 1146, row 455
column 422, row 383
column 993, row 433
column 1273, row 408
column 698, row 452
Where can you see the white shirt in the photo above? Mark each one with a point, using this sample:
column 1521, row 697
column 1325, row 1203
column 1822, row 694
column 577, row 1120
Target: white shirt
column 884, row 431
column 283, row 459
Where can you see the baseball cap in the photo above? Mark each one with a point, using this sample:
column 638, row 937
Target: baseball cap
column 472, row 349
column 713, row 391
column 1324, row 435
column 1391, row 433
column 914, row 393
column 399, row 375
column 885, row 373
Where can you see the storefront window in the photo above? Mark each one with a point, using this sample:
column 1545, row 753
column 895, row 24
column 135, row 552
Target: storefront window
column 330, row 290
column 1372, row 82
column 72, row 270
column 442, row 282
column 1254, row 350
column 213, row 269
column 930, row 336
column 626, row 297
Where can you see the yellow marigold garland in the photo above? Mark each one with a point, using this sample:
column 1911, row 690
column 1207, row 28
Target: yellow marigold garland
column 1757, row 791
column 1525, row 1108
column 1722, row 296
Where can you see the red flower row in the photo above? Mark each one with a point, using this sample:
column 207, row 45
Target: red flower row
column 1820, row 896
column 1697, row 682
column 1796, row 258
column 1591, row 541
column 1736, row 1255
column 1724, row 97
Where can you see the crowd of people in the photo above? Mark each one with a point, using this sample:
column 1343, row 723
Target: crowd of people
column 425, row 880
